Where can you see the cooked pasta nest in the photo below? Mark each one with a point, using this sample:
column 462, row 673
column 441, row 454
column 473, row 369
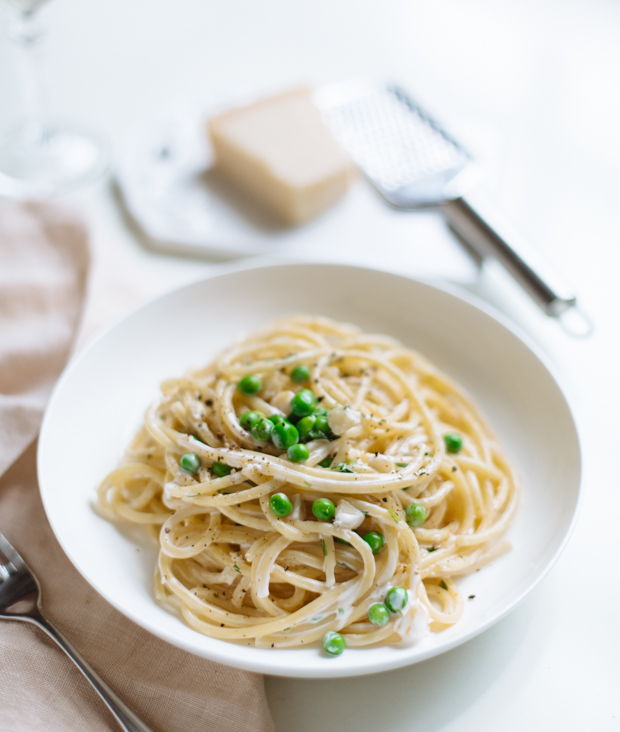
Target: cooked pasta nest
column 236, row 571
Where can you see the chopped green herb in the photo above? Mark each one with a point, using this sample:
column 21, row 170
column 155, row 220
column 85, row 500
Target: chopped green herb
column 342, row 541
column 308, row 485
column 342, row 467
column 286, row 630
column 395, row 516
column 402, row 465
column 341, row 610
column 407, row 488
column 236, row 567
column 194, row 495
column 324, row 547
column 316, row 435
column 431, row 548
column 443, row 584
column 344, row 564
column 326, row 462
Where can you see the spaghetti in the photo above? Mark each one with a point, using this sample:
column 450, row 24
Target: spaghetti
column 315, row 482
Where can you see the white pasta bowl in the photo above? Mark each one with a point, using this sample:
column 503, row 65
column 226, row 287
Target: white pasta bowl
column 100, row 400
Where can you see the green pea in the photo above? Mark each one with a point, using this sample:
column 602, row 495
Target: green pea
column 454, row 442
column 321, row 423
column 316, row 435
column 396, row 599
column 326, row 462
column 280, row 504
column 190, row 463
column 248, row 419
column 334, row 643
column 300, row 374
column 284, row 434
column 276, row 418
column 298, row 453
column 374, row 540
column 378, row 614
column 305, row 426
column 304, row 403
column 323, row 509
column 250, row 384
column 221, row 469
column 415, row 515
column 262, row 430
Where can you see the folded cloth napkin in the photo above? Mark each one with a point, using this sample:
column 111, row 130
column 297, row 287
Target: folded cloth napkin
column 43, row 272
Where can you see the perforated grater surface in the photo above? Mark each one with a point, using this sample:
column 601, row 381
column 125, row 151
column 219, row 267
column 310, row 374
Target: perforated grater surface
column 414, row 163
column 409, row 159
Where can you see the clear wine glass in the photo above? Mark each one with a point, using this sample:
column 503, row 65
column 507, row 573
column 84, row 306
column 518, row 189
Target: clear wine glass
column 40, row 158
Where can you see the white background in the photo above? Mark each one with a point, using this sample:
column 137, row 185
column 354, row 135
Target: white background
column 533, row 88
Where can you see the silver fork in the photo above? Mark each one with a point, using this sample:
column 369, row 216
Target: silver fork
column 20, row 599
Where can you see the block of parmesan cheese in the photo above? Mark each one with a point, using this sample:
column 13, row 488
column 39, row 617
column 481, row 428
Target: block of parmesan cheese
column 280, row 152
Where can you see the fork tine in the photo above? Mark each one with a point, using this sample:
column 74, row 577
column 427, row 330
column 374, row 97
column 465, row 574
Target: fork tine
column 10, row 553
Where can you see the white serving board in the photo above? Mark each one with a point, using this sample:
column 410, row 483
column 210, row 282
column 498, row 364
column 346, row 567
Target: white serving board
column 183, row 206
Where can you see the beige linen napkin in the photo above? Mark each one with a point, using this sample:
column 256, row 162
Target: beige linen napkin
column 43, row 272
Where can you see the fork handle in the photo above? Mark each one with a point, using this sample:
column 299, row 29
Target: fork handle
column 124, row 716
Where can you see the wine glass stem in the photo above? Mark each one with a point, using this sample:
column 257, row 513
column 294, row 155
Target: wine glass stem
column 27, row 31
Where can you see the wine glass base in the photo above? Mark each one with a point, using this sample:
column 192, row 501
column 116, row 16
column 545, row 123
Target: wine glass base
column 58, row 160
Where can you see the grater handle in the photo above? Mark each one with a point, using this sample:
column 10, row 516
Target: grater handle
column 485, row 231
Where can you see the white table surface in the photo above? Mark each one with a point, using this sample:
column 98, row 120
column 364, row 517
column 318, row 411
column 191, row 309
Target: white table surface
column 533, row 88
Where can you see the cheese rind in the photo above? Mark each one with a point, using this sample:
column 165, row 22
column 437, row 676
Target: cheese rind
column 281, row 153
